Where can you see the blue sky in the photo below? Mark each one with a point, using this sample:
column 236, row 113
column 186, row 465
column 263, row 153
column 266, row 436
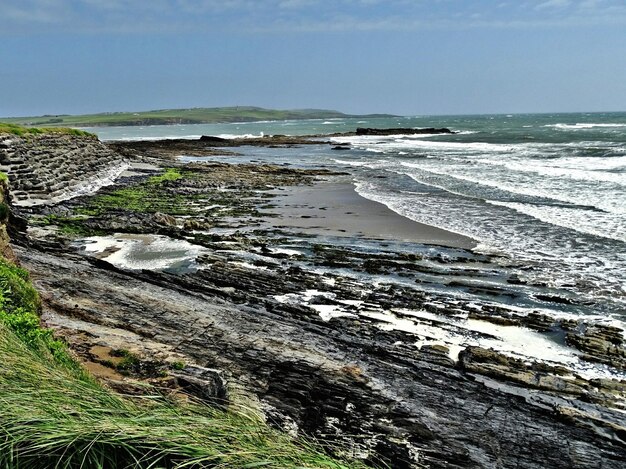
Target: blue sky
column 406, row 57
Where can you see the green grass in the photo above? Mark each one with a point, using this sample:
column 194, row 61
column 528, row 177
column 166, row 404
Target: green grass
column 143, row 199
column 50, row 418
column 72, row 226
column 4, row 211
column 19, row 303
column 21, row 131
column 181, row 116
column 170, row 174
column 54, row 414
column 149, row 196
column 129, row 360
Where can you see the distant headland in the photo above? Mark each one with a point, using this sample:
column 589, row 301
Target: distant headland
column 181, row 116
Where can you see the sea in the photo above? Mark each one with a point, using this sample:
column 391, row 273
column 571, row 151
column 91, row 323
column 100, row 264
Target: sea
column 543, row 192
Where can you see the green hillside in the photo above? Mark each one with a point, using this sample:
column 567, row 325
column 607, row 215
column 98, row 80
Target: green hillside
column 179, row 116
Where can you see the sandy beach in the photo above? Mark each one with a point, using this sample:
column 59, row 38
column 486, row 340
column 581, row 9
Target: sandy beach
column 336, row 209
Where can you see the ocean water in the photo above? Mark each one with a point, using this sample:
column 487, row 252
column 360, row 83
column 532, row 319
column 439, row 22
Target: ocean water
column 546, row 192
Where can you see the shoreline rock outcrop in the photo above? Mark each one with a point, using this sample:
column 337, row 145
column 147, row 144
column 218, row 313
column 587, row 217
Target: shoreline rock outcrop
column 48, row 168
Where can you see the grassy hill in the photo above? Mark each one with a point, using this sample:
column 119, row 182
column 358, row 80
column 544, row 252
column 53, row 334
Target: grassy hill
column 180, row 116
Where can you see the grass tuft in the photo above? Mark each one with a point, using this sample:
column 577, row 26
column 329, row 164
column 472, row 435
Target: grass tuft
column 50, row 418
column 4, row 211
column 170, row 174
column 53, row 414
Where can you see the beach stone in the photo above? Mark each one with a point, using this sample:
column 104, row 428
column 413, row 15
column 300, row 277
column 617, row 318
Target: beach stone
column 163, row 219
column 205, row 384
column 195, row 224
column 603, row 344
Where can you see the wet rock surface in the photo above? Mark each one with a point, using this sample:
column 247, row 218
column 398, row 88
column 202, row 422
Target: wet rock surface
column 208, row 145
column 336, row 339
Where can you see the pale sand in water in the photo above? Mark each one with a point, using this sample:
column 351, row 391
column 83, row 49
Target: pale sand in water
column 336, row 209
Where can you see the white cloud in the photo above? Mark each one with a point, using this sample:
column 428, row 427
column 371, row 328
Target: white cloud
column 34, row 11
column 293, row 16
column 553, row 4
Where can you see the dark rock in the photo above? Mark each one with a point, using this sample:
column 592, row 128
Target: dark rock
column 211, row 139
column 603, row 344
column 164, row 219
column 401, row 131
column 556, row 299
column 197, row 225
column 205, row 384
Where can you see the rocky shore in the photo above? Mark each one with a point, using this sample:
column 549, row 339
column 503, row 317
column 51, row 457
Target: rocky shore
column 327, row 337
column 49, row 168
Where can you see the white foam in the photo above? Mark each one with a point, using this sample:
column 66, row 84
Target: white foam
column 243, row 136
column 288, row 252
column 584, row 126
column 581, row 190
column 303, row 297
column 115, row 138
column 484, row 248
column 557, row 256
column 138, row 252
column 247, row 265
column 583, row 221
column 399, row 206
column 459, row 333
column 357, row 163
column 328, row 312
column 584, row 169
column 388, row 141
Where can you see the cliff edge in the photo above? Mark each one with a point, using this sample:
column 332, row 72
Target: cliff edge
column 49, row 167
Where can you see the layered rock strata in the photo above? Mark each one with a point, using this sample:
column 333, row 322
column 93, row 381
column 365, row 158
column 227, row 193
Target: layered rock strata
column 248, row 311
column 48, row 168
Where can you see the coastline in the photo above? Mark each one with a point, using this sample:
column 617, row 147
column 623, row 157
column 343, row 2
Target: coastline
column 332, row 207
column 407, row 345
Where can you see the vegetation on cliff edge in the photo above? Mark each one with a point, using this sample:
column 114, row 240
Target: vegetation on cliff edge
column 21, row 131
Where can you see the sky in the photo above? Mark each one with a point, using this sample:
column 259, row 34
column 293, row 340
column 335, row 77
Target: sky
column 407, row 57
